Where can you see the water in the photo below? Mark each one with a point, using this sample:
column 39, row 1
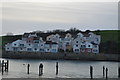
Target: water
column 67, row 69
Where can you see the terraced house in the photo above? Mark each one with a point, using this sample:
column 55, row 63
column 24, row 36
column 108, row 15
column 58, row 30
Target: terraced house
column 80, row 43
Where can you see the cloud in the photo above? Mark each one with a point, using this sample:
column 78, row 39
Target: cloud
column 93, row 15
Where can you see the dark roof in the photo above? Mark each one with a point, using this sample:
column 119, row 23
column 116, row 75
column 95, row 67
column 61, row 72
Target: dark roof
column 93, row 43
column 86, row 35
column 36, row 38
column 50, row 42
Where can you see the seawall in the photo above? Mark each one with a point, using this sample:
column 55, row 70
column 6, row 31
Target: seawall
column 65, row 56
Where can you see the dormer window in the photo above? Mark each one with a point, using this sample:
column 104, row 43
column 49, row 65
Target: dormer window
column 76, row 41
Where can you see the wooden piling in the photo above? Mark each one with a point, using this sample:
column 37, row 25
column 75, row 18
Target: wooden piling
column 28, row 66
column 106, row 73
column 91, row 72
column 40, row 69
column 2, row 67
column 118, row 72
column 56, row 68
column 7, row 65
column 103, row 71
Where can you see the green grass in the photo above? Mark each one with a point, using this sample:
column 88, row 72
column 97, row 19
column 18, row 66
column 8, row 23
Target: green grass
column 109, row 35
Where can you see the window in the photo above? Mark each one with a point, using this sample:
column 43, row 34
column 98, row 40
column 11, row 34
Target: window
column 89, row 50
column 7, row 48
column 94, row 50
column 29, row 49
column 15, row 44
column 97, row 39
column 21, row 45
column 82, row 50
column 41, row 49
column 95, row 46
column 35, row 49
column 88, row 45
column 67, row 43
column 68, row 36
column 76, row 41
column 76, row 50
column 29, row 44
column 41, row 44
column 76, row 45
column 83, row 46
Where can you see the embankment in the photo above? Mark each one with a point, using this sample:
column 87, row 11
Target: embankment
column 65, row 56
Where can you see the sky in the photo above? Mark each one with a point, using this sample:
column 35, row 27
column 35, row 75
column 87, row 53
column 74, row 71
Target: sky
column 23, row 16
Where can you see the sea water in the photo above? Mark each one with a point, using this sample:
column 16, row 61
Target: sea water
column 67, row 68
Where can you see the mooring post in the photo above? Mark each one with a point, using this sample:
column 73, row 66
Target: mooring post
column 28, row 66
column 2, row 67
column 7, row 65
column 56, row 68
column 106, row 73
column 40, row 69
column 118, row 72
column 91, row 72
column 103, row 71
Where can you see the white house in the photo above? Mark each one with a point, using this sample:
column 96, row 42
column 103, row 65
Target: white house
column 15, row 45
column 67, row 42
column 86, row 47
column 8, row 47
column 51, row 47
column 54, row 38
column 82, row 43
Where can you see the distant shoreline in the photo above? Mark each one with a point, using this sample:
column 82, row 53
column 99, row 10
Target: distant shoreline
column 61, row 56
column 59, row 79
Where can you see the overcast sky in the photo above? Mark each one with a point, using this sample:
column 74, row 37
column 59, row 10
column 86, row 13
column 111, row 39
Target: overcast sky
column 25, row 16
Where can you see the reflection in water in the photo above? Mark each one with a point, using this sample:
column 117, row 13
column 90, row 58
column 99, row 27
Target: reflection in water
column 67, row 69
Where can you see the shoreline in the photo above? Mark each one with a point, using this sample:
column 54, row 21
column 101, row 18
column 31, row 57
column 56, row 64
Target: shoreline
column 59, row 79
column 62, row 56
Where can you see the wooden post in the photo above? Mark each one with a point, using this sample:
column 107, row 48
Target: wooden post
column 40, row 69
column 118, row 72
column 7, row 65
column 103, row 71
column 2, row 67
column 106, row 73
column 28, row 66
column 56, row 68
column 91, row 72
